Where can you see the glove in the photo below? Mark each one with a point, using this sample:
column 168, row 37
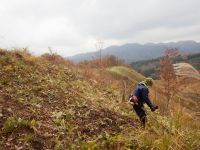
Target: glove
column 131, row 101
column 153, row 108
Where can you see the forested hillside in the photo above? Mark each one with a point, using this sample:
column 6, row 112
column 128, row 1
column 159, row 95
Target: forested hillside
column 152, row 67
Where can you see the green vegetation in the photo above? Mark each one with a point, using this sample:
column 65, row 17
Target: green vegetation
column 128, row 73
column 47, row 103
column 13, row 123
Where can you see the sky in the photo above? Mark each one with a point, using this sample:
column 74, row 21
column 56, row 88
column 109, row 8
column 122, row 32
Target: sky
column 70, row 27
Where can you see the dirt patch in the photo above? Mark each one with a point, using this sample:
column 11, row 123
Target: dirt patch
column 93, row 122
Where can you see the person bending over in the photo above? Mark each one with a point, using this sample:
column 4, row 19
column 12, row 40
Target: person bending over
column 139, row 97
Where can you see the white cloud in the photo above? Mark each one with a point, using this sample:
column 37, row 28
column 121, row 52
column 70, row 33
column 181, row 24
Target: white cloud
column 72, row 26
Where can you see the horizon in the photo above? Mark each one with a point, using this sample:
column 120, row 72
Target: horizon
column 95, row 50
column 166, row 42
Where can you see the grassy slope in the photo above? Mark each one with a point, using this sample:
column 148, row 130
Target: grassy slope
column 46, row 106
column 128, row 73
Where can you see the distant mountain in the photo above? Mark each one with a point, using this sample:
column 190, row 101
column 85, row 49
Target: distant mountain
column 134, row 51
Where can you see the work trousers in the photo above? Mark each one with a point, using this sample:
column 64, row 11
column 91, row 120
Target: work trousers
column 139, row 109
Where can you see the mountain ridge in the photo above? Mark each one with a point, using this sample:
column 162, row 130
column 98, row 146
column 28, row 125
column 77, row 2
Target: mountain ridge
column 131, row 52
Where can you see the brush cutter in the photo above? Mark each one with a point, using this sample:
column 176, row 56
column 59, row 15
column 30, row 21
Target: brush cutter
column 132, row 101
column 165, row 129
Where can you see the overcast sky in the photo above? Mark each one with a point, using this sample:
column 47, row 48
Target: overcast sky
column 72, row 26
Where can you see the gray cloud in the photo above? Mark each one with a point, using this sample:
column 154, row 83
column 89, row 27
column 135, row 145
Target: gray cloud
column 72, row 26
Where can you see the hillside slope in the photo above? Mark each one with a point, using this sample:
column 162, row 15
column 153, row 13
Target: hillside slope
column 128, row 73
column 49, row 106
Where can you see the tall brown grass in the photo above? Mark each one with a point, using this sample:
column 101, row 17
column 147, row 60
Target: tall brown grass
column 186, row 70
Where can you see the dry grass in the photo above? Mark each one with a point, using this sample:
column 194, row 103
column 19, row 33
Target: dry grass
column 186, row 70
column 46, row 105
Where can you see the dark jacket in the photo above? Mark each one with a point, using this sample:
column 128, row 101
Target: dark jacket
column 141, row 92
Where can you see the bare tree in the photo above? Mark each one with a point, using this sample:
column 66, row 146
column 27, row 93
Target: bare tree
column 167, row 74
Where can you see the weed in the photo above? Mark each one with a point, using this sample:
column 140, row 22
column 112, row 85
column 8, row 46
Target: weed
column 13, row 123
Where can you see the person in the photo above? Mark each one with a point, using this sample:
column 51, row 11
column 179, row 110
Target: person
column 139, row 97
